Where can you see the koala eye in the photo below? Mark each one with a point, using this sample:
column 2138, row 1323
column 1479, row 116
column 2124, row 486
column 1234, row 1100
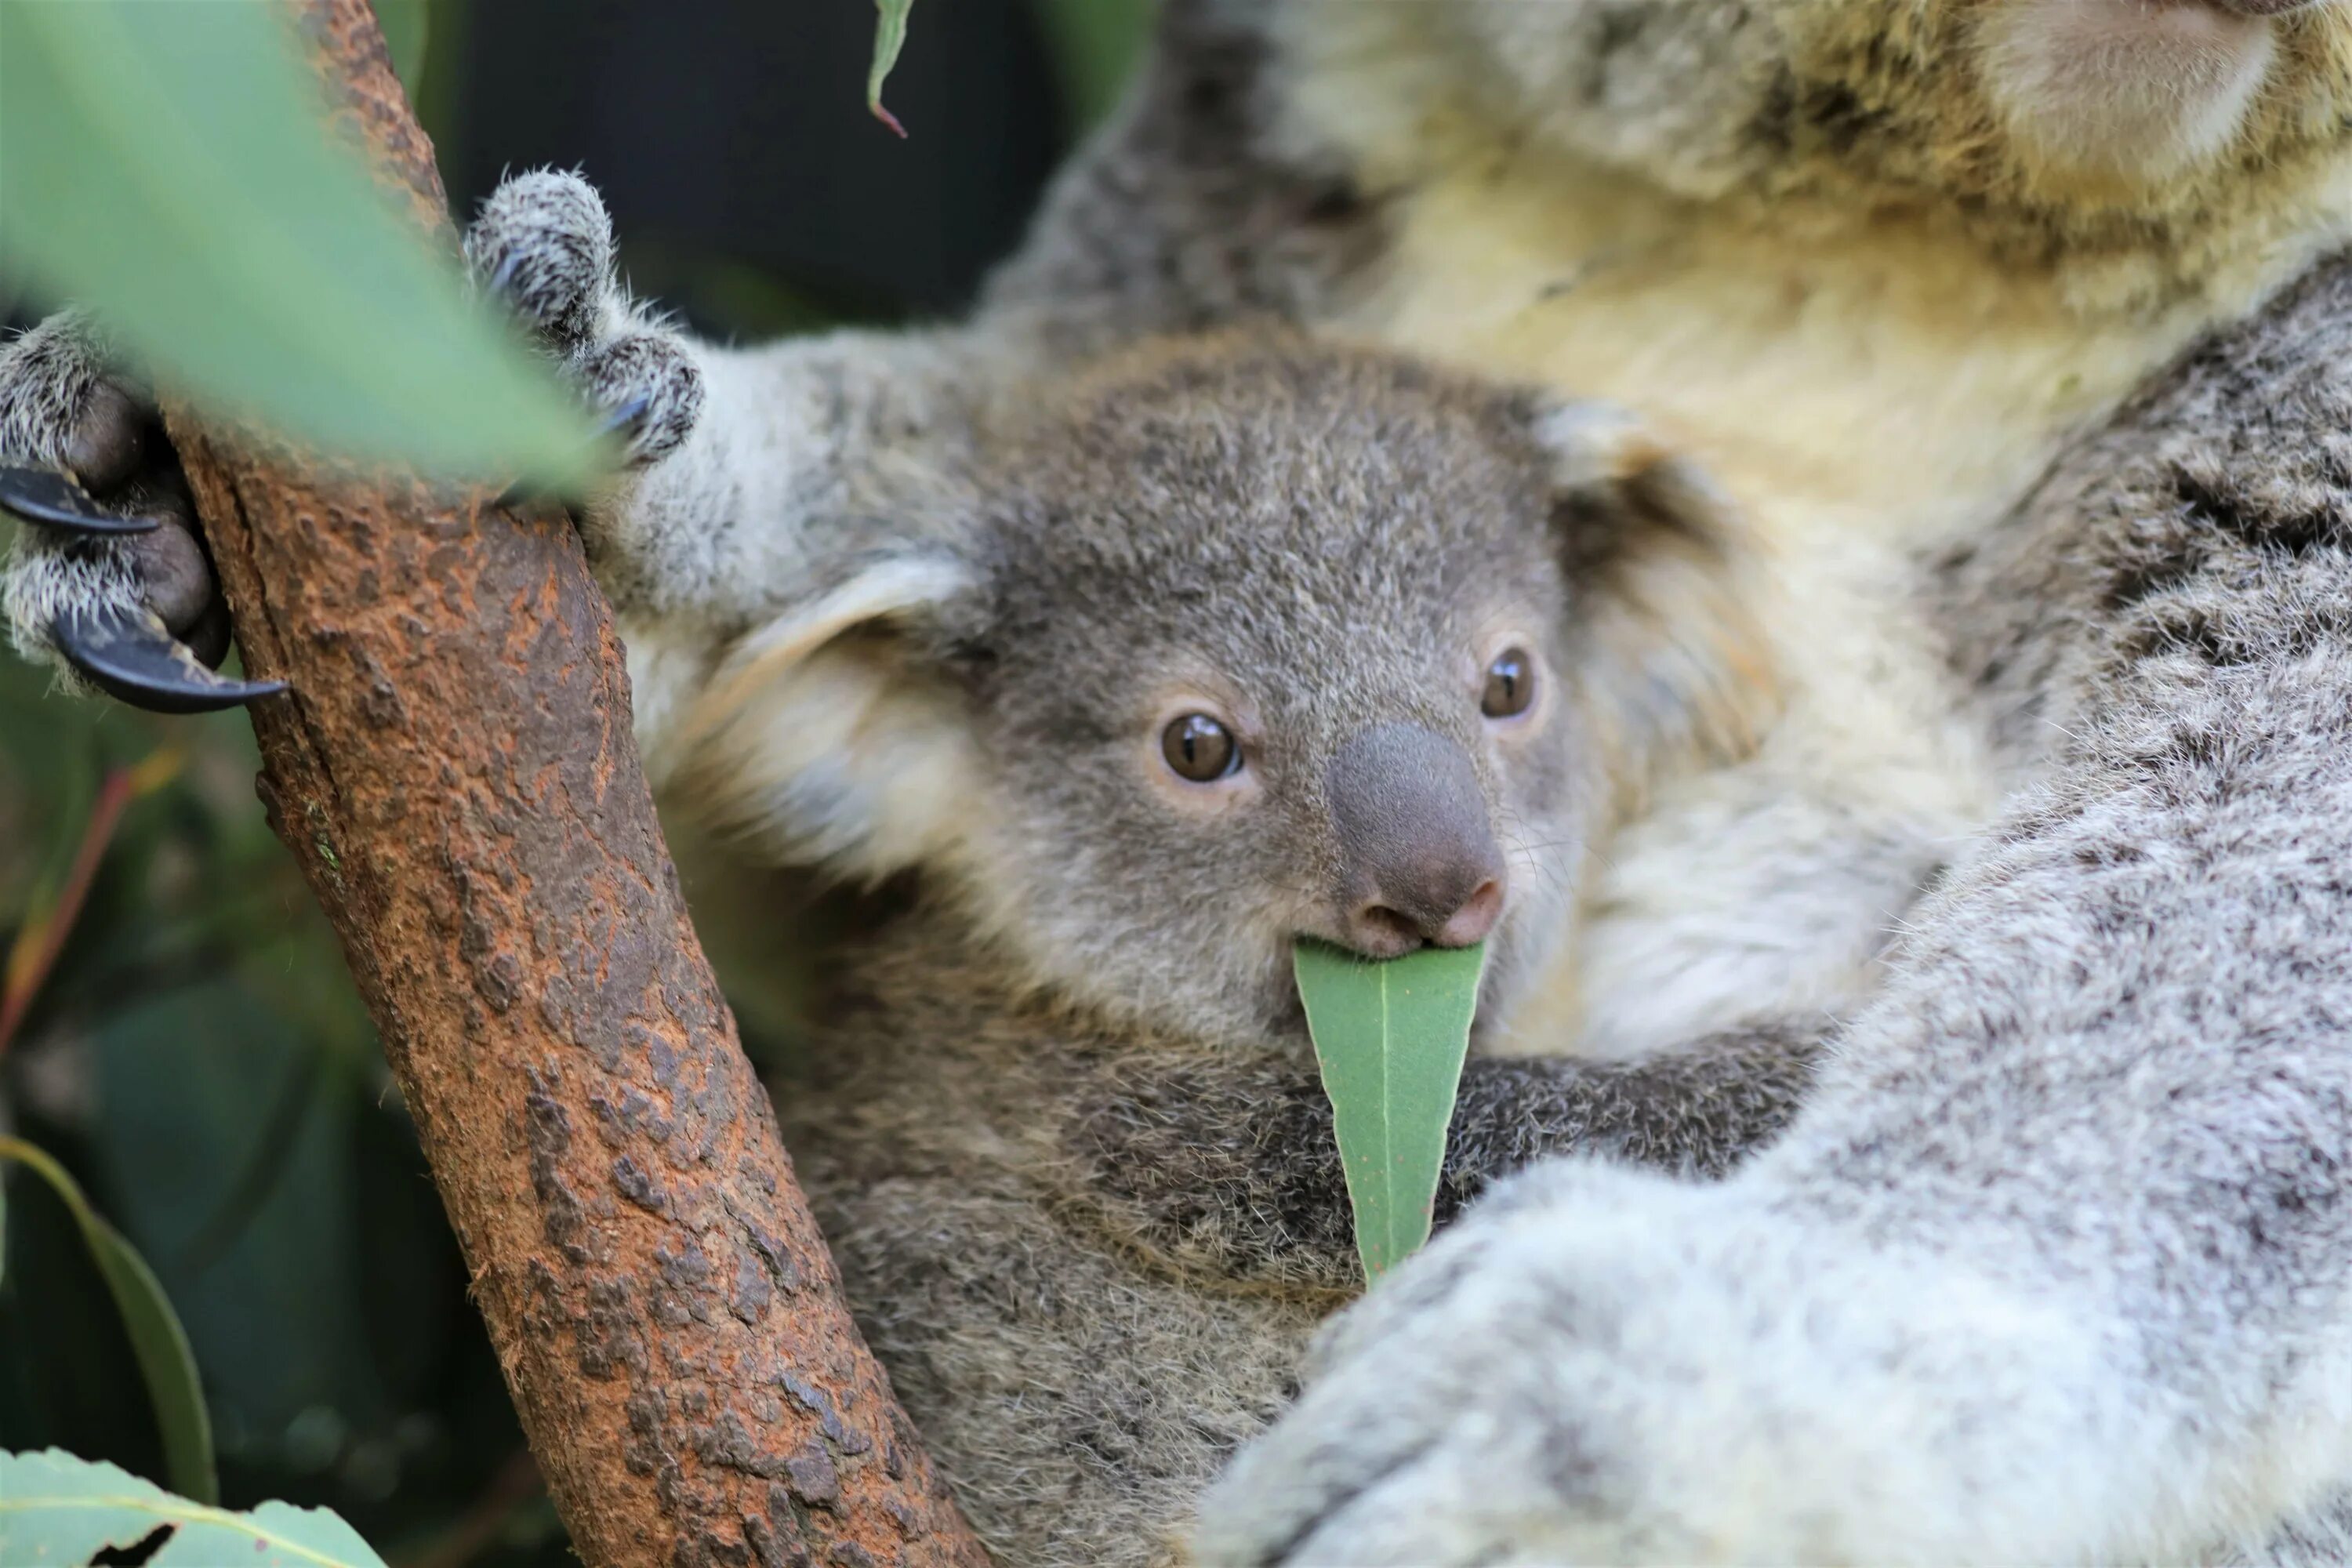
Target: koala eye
column 1510, row 684
column 1200, row 749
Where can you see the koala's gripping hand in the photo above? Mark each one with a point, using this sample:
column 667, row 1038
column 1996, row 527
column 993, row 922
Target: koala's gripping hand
column 1227, row 1169
column 1604, row 1366
column 107, row 580
column 542, row 244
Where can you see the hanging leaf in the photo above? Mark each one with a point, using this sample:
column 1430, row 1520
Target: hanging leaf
column 889, row 37
column 1392, row 1038
column 166, row 167
column 165, row 1362
column 237, row 1180
column 56, row 1509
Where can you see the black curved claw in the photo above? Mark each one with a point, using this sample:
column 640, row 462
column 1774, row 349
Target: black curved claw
column 50, row 498
column 626, row 420
column 130, row 657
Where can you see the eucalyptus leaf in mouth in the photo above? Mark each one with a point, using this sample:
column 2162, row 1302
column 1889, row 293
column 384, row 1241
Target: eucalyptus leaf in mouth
column 1390, row 1036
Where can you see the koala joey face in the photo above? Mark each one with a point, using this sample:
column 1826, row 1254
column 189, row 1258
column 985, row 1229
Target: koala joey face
column 1273, row 643
column 1257, row 641
column 2129, row 105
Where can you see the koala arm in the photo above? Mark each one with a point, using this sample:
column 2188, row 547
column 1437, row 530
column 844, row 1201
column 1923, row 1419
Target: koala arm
column 747, row 466
column 1180, row 214
column 2052, row 1266
column 1229, row 1171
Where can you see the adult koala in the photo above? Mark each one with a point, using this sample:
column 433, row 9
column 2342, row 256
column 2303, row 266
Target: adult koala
column 2055, row 1267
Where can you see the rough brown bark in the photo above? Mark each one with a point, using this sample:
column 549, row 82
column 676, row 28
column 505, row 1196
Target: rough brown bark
column 455, row 772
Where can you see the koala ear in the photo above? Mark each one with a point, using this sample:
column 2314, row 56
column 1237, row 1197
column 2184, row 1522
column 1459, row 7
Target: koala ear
column 831, row 737
column 1666, row 581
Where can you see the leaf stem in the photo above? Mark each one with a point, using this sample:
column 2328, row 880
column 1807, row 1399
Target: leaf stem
column 36, row 950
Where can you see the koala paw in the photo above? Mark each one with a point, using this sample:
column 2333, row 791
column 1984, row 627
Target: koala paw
column 1432, row 1430
column 543, row 245
column 1599, row 1365
column 106, row 580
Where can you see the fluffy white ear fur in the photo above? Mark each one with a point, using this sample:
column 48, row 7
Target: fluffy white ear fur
column 1668, row 578
column 2123, row 88
column 826, row 747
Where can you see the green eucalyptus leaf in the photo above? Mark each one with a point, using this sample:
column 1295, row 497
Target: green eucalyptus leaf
column 165, row 1362
column 1095, row 45
column 227, row 1131
column 166, row 167
column 889, row 37
column 57, row 1509
column 1392, row 1038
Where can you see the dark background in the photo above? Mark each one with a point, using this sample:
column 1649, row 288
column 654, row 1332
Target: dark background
column 196, row 1056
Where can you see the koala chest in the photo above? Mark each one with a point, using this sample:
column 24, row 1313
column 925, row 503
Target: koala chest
column 1865, row 392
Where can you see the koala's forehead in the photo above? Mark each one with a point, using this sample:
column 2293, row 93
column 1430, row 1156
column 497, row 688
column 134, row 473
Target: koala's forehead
column 1325, row 516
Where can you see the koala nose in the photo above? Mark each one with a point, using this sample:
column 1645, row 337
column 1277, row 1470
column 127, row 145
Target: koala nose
column 1419, row 859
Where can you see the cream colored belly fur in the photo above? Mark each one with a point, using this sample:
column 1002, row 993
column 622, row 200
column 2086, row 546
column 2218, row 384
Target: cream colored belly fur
column 1861, row 393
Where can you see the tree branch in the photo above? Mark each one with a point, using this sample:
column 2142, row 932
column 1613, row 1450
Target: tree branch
column 455, row 772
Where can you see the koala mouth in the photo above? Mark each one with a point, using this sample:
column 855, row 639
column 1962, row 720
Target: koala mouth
column 2130, row 89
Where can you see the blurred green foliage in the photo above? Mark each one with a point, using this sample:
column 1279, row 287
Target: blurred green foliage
column 198, row 1058
column 167, row 1362
column 233, row 250
column 1095, row 44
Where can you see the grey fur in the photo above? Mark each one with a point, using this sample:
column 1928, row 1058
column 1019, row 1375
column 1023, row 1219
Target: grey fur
column 49, row 379
column 542, row 239
column 2069, row 1209
column 1063, row 1119
column 1090, row 1286
column 1227, row 1168
column 1312, row 545
column 2322, row 1539
column 543, row 243
column 63, row 404
column 2020, row 1358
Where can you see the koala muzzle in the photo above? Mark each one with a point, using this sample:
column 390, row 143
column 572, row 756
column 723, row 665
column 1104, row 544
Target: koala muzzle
column 1420, row 862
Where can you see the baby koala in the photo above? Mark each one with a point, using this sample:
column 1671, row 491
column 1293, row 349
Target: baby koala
column 1228, row 643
